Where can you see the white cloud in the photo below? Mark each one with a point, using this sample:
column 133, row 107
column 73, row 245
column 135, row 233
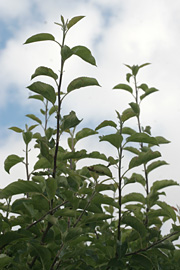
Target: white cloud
column 13, row 9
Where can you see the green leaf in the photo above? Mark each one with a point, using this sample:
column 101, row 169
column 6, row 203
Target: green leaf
column 135, row 223
column 44, row 254
column 142, row 138
column 123, row 86
column 35, row 118
column 45, row 150
column 142, row 261
column 72, row 234
column 37, row 135
column 5, row 260
column 51, row 186
column 70, row 121
column 162, row 184
column 102, row 187
column 157, row 213
column 44, row 89
column 127, row 114
column 128, row 130
column 104, row 199
column 42, row 111
column 135, row 69
column 100, row 169
column 148, row 130
column 97, row 155
column 135, row 107
column 85, row 132
column 121, row 248
column 143, row 65
column 73, row 155
column 161, row 140
column 42, row 163
column 27, row 137
column 73, row 183
column 53, row 109
column 112, row 161
column 128, row 76
column 16, row 129
column 143, row 158
column 169, row 210
column 115, row 263
column 128, row 66
column 40, row 71
column 38, row 97
column 133, row 197
column 96, row 217
column 12, row 160
column 148, row 92
column 132, row 150
column 166, row 245
column 49, row 132
column 114, row 139
column 62, row 20
column 74, row 20
column 82, row 82
column 155, row 165
column 135, row 208
column 19, row 187
column 32, row 127
column 66, row 52
column 67, row 212
column 176, row 228
column 143, row 86
column 106, row 123
column 9, row 237
column 135, row 178
column 40, row 37
column 84, row 53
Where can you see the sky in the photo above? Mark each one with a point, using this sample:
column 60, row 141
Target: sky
column 117, row 32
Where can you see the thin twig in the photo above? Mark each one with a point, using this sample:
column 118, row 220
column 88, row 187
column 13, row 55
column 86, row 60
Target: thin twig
column 79, row 218
column 58, row 111
column 153, row 244
column 141, row 144
column 57, row 255
column 120, row 187
column 50, row 212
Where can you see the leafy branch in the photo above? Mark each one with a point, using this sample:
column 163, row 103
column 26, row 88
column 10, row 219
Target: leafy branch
column 153, row 244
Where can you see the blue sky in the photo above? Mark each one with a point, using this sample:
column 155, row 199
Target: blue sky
column 117, row 32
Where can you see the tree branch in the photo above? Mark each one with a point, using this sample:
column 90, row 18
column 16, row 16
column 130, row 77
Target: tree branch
column 153, row 244
column 47, row 213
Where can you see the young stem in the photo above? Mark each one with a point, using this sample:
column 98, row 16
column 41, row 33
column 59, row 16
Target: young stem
column 120, row 195
column 27, row 165
column 59, row 109
column 120, row 187
column 141, row 144
column 46, row 118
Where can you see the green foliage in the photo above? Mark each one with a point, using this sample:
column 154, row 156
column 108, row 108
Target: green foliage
column 81, row 82
column 72, row 215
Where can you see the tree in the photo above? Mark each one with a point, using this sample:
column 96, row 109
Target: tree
column 63, row 218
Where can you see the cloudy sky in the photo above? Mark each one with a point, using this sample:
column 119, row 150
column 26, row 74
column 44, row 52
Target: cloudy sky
column 117, row 32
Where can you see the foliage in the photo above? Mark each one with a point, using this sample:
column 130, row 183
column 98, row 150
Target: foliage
column 69, row 216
